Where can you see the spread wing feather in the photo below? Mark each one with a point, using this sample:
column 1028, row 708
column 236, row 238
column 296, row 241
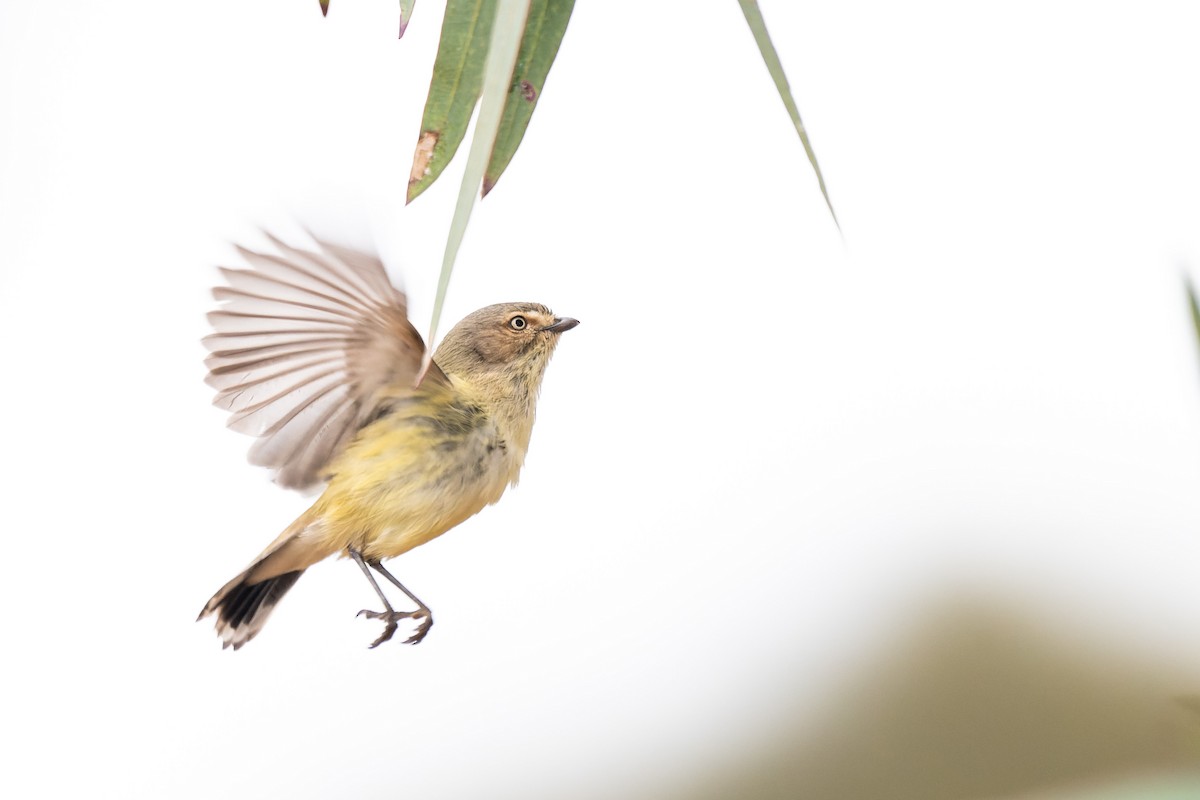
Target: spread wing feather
column 306, row 345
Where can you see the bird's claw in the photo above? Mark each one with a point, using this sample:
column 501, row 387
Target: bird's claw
column 392, row 617
column 422, row 629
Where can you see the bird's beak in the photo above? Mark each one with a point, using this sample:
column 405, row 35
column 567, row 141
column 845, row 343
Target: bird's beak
column 561, row 324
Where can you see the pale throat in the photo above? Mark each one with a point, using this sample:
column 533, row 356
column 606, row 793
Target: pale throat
column 510, row 401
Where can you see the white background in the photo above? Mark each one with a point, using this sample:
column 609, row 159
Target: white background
column 762, row 459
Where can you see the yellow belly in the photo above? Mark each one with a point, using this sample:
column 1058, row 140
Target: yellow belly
column 409, row 478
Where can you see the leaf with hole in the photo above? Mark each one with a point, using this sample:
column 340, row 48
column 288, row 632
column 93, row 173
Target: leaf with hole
column 543, row 34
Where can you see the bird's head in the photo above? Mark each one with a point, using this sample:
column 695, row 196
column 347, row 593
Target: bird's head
column 509, row 340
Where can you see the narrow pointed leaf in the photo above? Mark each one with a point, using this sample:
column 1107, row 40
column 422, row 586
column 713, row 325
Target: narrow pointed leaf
column 501, row 57
column 453, row 90
column 406, row 7
column 324, row 7
column 759, row 28
column 543, row 34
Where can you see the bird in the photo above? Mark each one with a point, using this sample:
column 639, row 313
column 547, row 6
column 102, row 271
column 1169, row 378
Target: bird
column 313, row 353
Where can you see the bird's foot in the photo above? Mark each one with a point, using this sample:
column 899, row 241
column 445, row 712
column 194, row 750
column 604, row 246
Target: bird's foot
column 392, row 617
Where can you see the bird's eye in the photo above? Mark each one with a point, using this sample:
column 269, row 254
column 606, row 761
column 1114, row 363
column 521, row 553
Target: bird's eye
column 518, row 323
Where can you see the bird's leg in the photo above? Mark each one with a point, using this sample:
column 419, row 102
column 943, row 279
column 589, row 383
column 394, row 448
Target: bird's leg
column 389, row 615
column 422, row 613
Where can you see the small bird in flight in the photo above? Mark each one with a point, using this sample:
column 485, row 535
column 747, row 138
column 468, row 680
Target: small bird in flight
column 314, row 354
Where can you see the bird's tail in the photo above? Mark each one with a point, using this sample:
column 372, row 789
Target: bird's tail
column 243, row 605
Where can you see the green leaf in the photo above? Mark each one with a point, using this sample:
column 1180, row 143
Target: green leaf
column 543, row 34
column 1191, row 293
column 406, row 7
column 510, row 19
column 759, row 28
column 324, row 7
column 453, row 90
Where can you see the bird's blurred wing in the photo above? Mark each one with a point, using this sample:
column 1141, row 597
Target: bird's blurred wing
column 305, row 343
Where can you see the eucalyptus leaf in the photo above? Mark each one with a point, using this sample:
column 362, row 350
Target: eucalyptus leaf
column 505, row 41
column 406, row 7
column 759, row 28
column 543, row 34
column 453, row 89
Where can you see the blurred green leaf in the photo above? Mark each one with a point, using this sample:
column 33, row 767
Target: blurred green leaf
column 543, row 34
column 510, row 16
column 1191, row 293
column 324, row 7
column 453, row 90
column 759, row 28
column 406, row 7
